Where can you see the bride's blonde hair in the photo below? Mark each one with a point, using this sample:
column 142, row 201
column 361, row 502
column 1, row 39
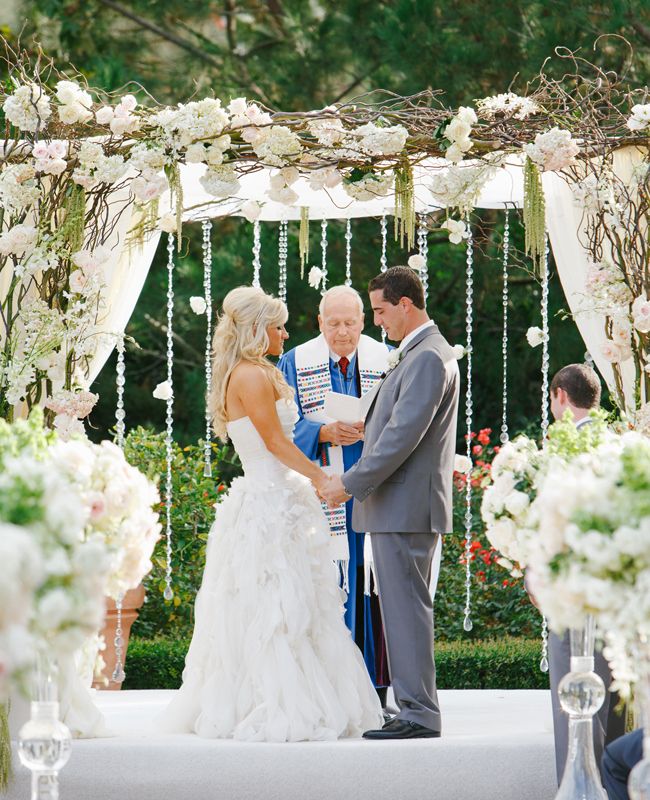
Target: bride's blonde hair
column 241, row 335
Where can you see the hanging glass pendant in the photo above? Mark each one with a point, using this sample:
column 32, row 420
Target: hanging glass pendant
column 469, row 410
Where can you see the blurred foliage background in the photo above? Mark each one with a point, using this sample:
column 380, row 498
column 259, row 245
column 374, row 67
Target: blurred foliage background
column 301, row 55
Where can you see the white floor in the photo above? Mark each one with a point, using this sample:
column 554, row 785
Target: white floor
column 496, row 745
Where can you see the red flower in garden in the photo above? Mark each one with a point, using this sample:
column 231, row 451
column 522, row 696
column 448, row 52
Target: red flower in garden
column 477, row 450
column 506, row 582
column 484, row 435
column 221, row 487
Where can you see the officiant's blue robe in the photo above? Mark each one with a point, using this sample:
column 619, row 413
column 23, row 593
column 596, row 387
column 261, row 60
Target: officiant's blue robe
column 306, row 438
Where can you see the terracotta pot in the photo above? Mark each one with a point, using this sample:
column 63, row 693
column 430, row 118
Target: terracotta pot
column 131, row 604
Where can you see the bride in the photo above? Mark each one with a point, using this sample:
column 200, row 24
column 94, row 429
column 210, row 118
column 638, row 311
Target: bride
column 271, row 658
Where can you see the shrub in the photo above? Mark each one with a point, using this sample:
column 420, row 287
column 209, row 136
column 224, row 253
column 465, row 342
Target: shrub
column 506, row 663
column 192, row 513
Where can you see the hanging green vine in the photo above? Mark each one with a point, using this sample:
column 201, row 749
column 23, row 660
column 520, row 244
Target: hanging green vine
column 5, row 748
column 303, row 239
column 74, row 223
column 404, row 205
column 534, row 213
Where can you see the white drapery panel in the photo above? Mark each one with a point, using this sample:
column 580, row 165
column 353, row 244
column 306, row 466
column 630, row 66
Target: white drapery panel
column 567, row 223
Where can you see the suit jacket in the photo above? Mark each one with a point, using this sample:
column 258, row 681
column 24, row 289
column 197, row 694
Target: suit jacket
column 403, row 481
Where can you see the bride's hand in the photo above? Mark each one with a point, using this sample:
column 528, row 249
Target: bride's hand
column 320, row 483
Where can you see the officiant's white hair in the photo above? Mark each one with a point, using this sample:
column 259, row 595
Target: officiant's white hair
column 241, row 335
column 339, row 291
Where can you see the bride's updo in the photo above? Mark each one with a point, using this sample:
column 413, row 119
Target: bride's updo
column 241, row 335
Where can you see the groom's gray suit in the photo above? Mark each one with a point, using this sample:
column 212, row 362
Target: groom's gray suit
column 402, row 487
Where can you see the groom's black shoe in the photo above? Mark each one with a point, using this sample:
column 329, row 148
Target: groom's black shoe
column 388, row 717
column 402, row 729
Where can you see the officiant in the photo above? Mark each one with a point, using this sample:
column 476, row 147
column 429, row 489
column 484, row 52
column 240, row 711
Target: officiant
column 344, row 361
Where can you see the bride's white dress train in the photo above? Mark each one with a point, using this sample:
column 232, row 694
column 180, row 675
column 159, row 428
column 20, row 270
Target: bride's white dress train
column 271, row 659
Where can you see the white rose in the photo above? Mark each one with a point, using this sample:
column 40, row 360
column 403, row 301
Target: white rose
column 74, row 112
column 195, row 153
column 315, row 277
column 458, row 351
column 535, row 336
column 163, row 391
column 612, row 351
column 516, row 503
column 168, row 223
column 641, row 314
column 417, row 262
column 462, row 464
column 467, row 114
column 237, row 106
column 457, row 130
column 198, row 305
column 104, row 115
column 251, row 210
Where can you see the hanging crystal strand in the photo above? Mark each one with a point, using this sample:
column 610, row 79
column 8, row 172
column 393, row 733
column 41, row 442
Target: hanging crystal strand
column 283, row 251
column 207, row 292
column 257, row 248
column 120, row 380
column 581, row 693
column 469, row 315
column 348, row 253
column 168, row 594
column 504, row 342
column 323, row 249
column 383, row 261
column 118, row 670
column 543, row 662
column 423, row 250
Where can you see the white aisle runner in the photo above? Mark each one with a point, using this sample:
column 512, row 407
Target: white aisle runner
column 496, row 745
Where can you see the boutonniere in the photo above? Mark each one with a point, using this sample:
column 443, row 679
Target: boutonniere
column 394, row 357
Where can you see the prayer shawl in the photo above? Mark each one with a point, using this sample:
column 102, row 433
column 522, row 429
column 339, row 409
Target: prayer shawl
column 314, row 380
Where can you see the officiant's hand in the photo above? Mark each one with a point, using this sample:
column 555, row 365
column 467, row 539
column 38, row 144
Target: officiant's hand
column 341, row 434
column 333, row 493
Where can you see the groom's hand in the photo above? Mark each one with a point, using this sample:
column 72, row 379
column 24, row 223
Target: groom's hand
column 333, row 493
column 339, row 433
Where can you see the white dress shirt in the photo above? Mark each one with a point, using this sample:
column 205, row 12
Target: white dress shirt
column 410, row 336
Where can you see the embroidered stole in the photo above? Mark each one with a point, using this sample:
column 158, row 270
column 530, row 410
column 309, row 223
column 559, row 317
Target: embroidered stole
column 314, row 381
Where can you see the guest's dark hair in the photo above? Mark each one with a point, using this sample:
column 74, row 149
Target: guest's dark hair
column 581, row 384
column 399, row 282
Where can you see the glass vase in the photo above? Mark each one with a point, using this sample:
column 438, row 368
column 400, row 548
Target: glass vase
column 44, row 742
column 581, row 694
column 639, row 781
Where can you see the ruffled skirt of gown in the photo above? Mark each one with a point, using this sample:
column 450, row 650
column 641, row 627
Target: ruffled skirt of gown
column 271, row 659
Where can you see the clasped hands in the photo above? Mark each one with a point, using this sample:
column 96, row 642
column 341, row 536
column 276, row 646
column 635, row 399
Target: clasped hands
column 331, row 490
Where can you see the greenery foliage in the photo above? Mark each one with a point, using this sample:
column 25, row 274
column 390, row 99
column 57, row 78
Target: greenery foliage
column 505, row 663
column 194, row 497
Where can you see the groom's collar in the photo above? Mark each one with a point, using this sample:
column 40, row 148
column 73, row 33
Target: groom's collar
column 416, row 336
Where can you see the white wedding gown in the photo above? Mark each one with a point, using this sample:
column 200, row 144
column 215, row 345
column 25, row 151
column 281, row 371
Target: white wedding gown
column 271, row 659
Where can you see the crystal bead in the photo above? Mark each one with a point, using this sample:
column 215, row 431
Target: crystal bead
column 467, row 624
column 503, row 438
column 120, row 414
column 207, row 470
column 118, row 641
column 543, row 664
column 168, row 594
column 118, row 675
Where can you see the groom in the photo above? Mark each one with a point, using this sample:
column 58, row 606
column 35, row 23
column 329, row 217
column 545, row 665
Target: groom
column 402, row 487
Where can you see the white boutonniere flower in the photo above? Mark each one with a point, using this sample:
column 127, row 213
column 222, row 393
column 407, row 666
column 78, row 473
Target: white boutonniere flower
column 459, row 351
column 462, row 464
column 394, row 357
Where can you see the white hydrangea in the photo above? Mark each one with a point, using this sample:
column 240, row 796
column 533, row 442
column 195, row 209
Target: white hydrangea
column 553, row 150
column 220, row 181
column 18, row 188
column 507, row 104
column 149, row 160
column 327, row 131
column 76, row 103
column 277, row 145
column 199, row 120
column 459, row 185
column 378, row 141
column 28, row 108
column 370, row 187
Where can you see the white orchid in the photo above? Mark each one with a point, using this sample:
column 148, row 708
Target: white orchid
column 535, row 336
column 163, row 391
column 417, row 262
column 198, row 305
column 251, row 210
column 459, row 351
column 315, row 277
column 457, row 230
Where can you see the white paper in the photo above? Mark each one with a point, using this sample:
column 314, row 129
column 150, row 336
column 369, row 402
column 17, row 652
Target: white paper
column 346, row 409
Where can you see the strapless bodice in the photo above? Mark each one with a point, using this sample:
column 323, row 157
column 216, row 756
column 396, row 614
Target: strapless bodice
column 256, row 460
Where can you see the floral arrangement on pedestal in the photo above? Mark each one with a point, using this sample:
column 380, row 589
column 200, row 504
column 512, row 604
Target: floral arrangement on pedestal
column 74, row 160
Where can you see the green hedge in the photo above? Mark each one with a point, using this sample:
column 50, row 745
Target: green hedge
column 506, row 663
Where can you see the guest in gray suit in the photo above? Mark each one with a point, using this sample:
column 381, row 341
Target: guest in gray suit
column 402, row 487
column 576, row 388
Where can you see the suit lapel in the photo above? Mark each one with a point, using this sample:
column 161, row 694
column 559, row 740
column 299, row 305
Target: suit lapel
column 424, row 334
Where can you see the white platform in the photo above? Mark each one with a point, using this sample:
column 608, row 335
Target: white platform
column 496, row 745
